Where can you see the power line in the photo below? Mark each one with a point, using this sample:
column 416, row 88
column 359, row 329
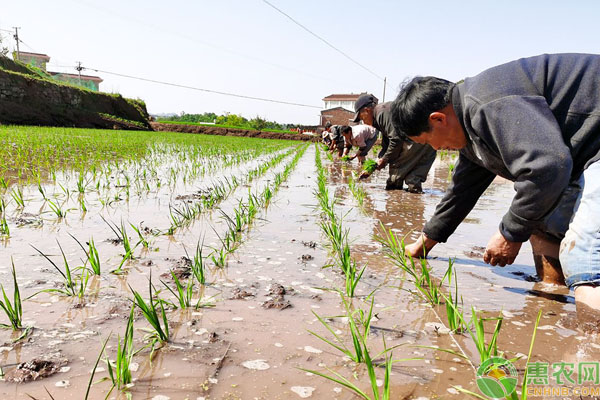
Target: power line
column 202, row 90
column 193, row 39
column 324, row 41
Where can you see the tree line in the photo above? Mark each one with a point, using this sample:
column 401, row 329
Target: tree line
column 230, row 120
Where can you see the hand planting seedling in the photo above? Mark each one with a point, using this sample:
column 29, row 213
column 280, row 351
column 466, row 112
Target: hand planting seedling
column 370, row 166
column 347, row 158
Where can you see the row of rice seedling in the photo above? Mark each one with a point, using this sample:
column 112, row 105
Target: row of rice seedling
column 427, row 289
column 357, row 191
column 245, row 211
column 358, row 319
column 154, row 308
column 359, row 324
column 183, row 215
column 332, row 226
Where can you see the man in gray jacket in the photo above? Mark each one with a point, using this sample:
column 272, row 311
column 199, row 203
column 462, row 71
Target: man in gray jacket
column 536, row 122
column 408, row 162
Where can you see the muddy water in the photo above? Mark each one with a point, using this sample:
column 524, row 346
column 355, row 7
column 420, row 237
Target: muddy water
column 255, row 340
column 511, row 291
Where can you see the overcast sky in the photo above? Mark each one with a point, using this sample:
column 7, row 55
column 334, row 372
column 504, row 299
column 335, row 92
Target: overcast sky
column 246, row 47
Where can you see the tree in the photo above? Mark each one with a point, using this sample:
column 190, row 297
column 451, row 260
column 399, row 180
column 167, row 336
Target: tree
column 258, row 123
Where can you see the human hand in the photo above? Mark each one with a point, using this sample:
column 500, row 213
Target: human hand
column 380, row 163
column 500, row 251
column 364, row 175
column 419, row 248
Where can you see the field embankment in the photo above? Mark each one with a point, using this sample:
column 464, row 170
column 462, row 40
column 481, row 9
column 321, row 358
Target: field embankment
column 30, row 97
column 215, row 130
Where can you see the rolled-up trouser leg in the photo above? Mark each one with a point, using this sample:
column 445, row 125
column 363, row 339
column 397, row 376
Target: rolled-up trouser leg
column 580, row 248
column 545, row 242
column 418, row 174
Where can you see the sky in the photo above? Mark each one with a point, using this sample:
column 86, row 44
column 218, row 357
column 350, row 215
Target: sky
column 246, row 47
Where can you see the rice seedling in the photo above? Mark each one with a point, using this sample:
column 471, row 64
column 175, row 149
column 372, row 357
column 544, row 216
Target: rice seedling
column 81, row 282
column 352, row 276
column 370, row 366
column 68, row 282
column 41, row 190
column 182, row 293
column 141, row 239
column 198, row 264
column 159, row 323
column 370, row 166
column 82, row 205
column 357, row 191
column 359, row 323
column 14, row 309
column 453, row 310
column 267, row 194
column 119, row 371
column 346, row 158
column 81, row 184
column 122, row 237
column 92, row 255
column 219, row 258
column 4, row 229
column 423, row 281
column 91, row 381
column 17, row 195
column 514, row 395
column 57, row 209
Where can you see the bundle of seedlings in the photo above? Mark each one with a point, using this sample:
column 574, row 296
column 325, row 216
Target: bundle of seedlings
column 370, row 166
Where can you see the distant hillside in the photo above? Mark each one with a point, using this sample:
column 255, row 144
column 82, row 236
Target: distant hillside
column 29, row 96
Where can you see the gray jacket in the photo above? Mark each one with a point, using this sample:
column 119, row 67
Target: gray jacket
column 534, row 121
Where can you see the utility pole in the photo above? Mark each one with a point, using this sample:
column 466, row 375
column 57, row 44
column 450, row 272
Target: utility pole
column 384, row 84
column 79, row 68
column 16, row 36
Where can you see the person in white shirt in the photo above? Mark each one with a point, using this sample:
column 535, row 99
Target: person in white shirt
column 361, row 136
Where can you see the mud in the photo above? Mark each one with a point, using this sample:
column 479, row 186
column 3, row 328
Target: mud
column 38, row 368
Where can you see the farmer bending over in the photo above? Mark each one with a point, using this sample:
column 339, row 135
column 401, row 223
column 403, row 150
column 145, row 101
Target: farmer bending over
column 336, row 139
column 361, row 136
column 408, row 162
column 536, row 122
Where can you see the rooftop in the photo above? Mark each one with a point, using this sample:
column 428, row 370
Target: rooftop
column 90, row 77
column 350, row 96
column 37, row 55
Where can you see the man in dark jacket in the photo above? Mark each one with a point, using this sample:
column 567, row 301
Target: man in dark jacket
column 408, row 162
column 536, row 122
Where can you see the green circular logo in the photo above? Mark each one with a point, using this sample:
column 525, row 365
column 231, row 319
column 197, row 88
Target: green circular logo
column 497, row 378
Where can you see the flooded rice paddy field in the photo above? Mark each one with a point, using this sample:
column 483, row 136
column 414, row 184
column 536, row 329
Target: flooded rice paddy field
column 273, row 289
